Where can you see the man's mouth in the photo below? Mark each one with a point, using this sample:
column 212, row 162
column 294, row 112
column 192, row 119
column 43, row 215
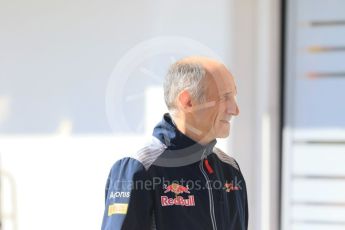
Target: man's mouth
column 226, row 120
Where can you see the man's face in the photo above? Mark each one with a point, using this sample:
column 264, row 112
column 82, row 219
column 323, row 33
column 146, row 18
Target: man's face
column 213, row 117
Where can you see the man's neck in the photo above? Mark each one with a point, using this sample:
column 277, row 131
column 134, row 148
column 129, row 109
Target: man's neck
column 189, row 130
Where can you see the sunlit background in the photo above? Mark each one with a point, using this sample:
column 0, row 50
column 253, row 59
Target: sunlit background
column 80, row 87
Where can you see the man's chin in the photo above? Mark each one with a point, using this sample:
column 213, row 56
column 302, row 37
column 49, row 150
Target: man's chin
column 224, row 134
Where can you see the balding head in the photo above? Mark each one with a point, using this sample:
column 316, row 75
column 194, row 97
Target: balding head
column 208, row 63
column 200, row 95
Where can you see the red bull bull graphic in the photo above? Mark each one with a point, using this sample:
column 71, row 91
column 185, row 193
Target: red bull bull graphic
column 177, row 200
column 176, row 188
column 230, row 187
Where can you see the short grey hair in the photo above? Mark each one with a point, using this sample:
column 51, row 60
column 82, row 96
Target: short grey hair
column 181, row 76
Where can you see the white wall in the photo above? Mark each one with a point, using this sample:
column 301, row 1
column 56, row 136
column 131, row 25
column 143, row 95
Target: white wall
column 255, row 61
column 54, row 182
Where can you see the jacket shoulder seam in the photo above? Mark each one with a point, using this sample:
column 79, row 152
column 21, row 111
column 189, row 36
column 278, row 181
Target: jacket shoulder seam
column 150, row 152
column 226, row 158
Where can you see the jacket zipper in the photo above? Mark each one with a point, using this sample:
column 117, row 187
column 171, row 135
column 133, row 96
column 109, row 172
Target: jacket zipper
column 210, row 195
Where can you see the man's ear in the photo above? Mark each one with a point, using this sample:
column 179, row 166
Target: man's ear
column 184, row 100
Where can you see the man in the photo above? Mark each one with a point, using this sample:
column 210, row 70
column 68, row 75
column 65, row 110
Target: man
column 181, row 180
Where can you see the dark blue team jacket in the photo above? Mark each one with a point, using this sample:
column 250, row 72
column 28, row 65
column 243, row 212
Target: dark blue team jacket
column 175, row 183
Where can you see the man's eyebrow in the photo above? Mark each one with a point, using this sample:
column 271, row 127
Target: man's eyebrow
column 227, row 93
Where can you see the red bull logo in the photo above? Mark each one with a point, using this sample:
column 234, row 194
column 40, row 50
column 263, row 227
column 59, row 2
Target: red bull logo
column 230, row 187
column 178, row 200
column 176, row 188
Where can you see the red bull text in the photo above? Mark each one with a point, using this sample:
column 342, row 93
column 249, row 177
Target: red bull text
column 178, row 200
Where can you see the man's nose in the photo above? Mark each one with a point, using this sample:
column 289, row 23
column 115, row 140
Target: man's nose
column 233, row 109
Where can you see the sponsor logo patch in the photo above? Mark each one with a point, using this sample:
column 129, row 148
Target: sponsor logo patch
column 117, row 208
column 114, row 195
column 177, row 200
column 230, row 187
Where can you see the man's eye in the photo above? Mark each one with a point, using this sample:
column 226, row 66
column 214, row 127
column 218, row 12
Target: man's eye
column 222, row 99
column 226, row 98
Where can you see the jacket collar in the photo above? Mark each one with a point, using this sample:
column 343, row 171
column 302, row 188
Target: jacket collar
column 167, row 132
